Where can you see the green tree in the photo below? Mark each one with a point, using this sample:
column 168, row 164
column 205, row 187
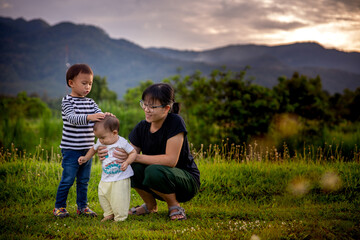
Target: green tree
column 346, row 106
column 302, row 96
column 23, row 106
column 224, row 106
column 100, row 90
column 133, row 95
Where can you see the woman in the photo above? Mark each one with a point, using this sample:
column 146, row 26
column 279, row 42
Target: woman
column 165, row 170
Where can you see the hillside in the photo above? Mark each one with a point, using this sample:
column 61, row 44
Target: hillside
column 338, row 70
column 33, row 57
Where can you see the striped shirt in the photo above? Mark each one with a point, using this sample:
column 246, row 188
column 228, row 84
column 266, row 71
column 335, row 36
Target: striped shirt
column 77, row 132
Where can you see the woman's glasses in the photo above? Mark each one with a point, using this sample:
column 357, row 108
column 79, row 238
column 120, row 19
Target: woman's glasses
column 150, row 107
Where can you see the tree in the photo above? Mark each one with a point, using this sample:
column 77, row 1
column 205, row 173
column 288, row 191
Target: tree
column 347, row 105
column 133, row 95
column 303, row 97
column 224, row 106
column 100, row 90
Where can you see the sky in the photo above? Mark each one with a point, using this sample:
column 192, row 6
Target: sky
column 205, row 24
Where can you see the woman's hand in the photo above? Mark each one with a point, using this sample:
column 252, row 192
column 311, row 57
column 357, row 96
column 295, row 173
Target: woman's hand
column 120, row 154
column 102, row 152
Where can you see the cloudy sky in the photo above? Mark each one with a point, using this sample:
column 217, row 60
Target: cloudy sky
column 205, row 24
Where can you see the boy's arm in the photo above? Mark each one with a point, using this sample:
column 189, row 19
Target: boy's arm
column 80, row 119
column 99, row 115
column 89, row 154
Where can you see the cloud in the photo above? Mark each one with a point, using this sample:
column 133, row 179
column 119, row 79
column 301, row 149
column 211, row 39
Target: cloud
column 188, row 24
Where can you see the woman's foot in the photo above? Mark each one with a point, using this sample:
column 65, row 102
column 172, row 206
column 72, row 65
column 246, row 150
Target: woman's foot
column 142, row 210
column 177, row 213
column 107, row 218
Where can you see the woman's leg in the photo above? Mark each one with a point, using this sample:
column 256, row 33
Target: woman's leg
column 145, row 193
column 171, row 201
column 149, row 200
column 173, row 185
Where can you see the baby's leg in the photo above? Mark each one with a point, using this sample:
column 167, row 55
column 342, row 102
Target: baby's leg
column 120, row 199
column 104, row 192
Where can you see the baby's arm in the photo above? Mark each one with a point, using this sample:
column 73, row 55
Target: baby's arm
column 131, row 158
column 89, row 154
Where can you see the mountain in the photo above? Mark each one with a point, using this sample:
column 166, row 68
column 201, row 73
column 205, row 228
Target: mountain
column 338, row 70
column 33, row 58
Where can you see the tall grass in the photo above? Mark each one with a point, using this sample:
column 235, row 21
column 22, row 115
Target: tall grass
column 252, row 199
column 255, row 152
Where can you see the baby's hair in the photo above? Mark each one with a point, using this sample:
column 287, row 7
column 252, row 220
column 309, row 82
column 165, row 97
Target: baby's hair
column 109, row 123
column 76, row 69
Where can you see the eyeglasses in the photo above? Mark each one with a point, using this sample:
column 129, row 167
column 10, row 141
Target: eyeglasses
column 151, row 108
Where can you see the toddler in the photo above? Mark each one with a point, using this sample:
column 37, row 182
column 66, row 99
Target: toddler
column 114, row 187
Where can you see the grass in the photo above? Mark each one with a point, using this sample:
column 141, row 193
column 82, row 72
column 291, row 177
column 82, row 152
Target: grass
column 287, row 199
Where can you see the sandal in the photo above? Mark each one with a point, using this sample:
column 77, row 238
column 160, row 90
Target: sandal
column 133, row 211
column 180, row 211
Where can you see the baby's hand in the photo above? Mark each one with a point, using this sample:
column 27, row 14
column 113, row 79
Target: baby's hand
column 81, row 160
column 124, row 166
column 95, row 117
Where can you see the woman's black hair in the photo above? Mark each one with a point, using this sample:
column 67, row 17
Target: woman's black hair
column 164, row 93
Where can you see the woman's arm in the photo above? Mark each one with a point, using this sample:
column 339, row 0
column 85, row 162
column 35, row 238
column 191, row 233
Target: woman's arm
column 171, row 156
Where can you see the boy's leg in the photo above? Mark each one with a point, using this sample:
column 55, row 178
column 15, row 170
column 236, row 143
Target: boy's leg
column 70, row 169
column 82, row 182
column 120, row 199
column 104, row 192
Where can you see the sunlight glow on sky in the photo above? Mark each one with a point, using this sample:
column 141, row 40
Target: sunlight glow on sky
column 205, row 24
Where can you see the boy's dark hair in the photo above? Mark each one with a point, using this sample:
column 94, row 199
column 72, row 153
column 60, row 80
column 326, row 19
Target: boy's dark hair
column 164, row 93
column 76, row 69
column 109, row 122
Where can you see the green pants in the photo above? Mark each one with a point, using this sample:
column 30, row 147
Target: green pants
column 164, row 179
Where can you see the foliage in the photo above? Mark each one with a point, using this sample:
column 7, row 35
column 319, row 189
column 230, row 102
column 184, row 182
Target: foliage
column 17, row 121
column 224, row 106
column 23, row 106
column 133, row 95
column 302, row 96
column 346, row 106
column 100, row 90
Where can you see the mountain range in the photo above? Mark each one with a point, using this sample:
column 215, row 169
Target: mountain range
column 34, row 57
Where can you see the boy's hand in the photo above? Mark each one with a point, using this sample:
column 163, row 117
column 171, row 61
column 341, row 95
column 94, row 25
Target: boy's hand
column 124, row 166
column 95, row 117
column 107, row 113
column 81, row 160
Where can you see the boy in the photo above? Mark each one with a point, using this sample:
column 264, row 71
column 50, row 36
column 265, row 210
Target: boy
column 114, row 187
column 79, row 114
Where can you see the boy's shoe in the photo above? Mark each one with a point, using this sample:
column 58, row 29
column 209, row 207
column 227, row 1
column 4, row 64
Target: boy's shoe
column 60, row 212
column 86, row 212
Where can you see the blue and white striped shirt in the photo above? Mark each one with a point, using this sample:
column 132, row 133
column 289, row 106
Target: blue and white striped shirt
column 77, row 132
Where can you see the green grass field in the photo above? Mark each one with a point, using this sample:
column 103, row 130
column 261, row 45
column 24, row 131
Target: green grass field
column 251, row 200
